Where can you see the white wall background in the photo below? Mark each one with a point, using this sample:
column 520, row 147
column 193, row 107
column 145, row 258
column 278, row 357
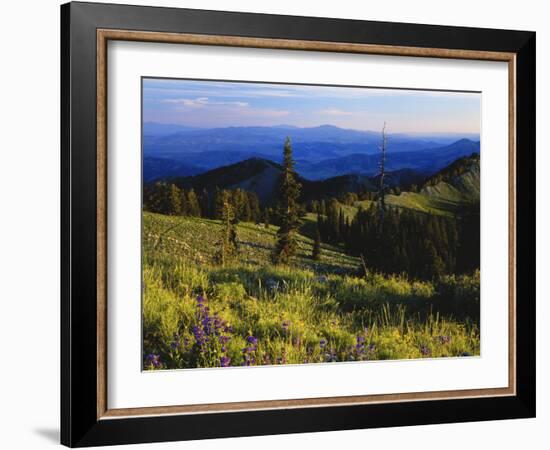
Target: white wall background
column 29, row 223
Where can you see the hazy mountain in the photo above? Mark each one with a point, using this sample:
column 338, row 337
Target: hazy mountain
column 401, row 178
column 261, row 176
column 310, row 145
column 163, row 129
column 154, row 168
column 427, row 161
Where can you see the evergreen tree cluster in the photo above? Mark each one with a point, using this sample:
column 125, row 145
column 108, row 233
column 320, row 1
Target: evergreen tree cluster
column 420, row 245
column 167, row 198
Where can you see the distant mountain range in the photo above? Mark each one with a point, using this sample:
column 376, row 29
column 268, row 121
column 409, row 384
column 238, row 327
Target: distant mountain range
column 454, row 183
column 205, row 149
column 427, row 161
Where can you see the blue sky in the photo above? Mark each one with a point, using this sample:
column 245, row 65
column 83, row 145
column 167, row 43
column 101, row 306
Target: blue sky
column 210, row 104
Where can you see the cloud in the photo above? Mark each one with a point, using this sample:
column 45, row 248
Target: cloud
column 335, row 112
column 202, row 101
column 270, row 112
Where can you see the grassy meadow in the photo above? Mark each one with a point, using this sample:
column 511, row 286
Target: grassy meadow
column 197, row 313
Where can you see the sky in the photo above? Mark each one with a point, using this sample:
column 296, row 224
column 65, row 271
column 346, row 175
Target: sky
column 214, row 104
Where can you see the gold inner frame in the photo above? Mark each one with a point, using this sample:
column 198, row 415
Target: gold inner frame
column 104, row 35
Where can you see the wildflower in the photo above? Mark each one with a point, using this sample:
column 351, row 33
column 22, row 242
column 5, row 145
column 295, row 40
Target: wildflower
column 360, row 339
column 200, row 337
column 225, row 361
column 153, row 360
column 252, row 340
column 444, row 339
column 425, row 350
column 323, row 343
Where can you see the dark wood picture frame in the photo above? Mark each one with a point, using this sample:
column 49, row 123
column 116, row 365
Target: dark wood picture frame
column 85, row 417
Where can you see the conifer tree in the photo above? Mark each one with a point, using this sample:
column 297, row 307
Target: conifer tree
column 266, row 217
column 228, row 239
column 193, row 207
column 288, row 209
column 323, row 208
column 254, row 206
column 205, row 203
column 175, row 201
column 218, row 203
column 316, row 252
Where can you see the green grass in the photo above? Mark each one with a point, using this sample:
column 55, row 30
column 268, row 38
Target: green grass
column 305, row 313
column 442, row 198
column 195, row 239
column 422, row 203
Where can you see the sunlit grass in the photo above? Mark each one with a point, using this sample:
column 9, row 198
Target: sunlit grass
column 308, row 312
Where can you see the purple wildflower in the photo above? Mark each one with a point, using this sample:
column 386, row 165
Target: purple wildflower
column 331, row 356
column 225, row 361
column 425, row 350
column 153, row 360
column 323, row 343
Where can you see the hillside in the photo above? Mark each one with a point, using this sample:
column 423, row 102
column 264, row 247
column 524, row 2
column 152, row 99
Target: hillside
column 254, row 174
column 261, row 176
column 305, row 313
column 196, row 239
column 155, row 168
column 445, row 192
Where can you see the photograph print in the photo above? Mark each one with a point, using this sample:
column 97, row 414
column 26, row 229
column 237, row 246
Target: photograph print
column 300, row 224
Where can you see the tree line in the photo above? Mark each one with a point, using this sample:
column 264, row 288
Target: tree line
column 402, row 241
column 167, row 198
